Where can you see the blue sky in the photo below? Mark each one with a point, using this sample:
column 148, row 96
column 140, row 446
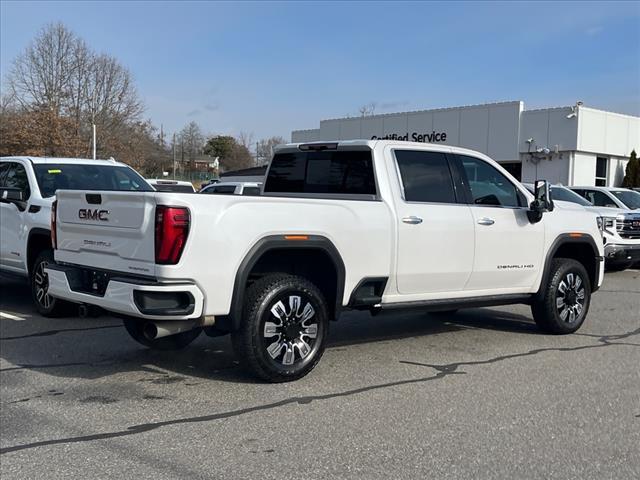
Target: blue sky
column 271, row 67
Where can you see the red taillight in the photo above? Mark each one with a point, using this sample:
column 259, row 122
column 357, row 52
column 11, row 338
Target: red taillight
column 172, row 228
column 54, row 212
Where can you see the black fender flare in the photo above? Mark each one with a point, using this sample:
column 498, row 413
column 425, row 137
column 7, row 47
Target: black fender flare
column 280, row 242
column 35, row 232
column 568, row 238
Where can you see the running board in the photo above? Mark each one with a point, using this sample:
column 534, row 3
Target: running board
column 464, row 302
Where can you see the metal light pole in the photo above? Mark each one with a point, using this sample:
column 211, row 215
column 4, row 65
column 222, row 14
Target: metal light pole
column 94, row 140
column 174, row 156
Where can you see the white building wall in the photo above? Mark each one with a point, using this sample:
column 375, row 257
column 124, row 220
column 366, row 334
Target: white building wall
column 492, row 129
column 554, row 168
column 575, row 136
column 301, row 136
column 607, row 133
column 584, row 169
column 549, row 128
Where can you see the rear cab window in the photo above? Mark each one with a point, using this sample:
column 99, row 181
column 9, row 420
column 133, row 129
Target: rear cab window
column 347, row 174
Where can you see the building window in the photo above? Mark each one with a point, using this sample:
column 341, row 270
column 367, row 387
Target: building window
column 602, row 164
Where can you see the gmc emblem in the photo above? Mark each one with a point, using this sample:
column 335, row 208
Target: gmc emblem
column 89, row 214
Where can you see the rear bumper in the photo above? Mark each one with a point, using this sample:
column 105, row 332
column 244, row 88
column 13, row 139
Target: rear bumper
column 127, row 296
column 620, row 253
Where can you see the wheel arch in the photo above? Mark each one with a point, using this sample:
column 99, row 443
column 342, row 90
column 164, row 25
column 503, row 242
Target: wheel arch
column 39, row 239
column 300, row 254
column 581, row 248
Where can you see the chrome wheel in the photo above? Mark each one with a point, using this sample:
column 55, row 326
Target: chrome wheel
column 290, row 331
column 41, row 283
column 570, row 298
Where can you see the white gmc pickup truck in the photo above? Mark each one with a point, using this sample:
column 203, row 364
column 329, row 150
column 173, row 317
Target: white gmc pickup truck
column 27, row 190
column 371, row 225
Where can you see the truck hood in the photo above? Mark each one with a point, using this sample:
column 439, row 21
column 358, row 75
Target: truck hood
column 607, row 211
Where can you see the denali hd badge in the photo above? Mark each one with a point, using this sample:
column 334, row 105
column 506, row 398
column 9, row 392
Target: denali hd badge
column 89, row 214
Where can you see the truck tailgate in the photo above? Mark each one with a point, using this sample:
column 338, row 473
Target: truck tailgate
column 106, row 230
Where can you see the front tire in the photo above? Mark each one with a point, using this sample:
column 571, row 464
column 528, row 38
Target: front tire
column 284, row 328
column 46, row 305
column 563, row 304
column 135, row 328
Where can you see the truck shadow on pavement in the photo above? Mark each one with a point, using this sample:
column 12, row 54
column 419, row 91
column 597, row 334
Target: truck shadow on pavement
column 100, row 347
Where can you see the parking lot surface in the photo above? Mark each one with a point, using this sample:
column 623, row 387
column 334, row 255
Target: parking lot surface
column 478, row 394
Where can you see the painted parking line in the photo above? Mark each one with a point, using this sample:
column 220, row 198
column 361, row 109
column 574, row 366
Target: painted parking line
column 10, row 316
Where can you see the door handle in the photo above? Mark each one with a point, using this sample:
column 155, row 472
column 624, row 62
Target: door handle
column 486, row 221
column 412, row 220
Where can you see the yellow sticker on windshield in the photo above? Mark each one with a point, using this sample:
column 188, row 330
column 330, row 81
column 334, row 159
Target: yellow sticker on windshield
column 56, row 170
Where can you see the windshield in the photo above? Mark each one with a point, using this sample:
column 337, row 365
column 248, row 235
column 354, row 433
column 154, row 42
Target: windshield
column 629, row 198
column 52, row 177
column 566, row 195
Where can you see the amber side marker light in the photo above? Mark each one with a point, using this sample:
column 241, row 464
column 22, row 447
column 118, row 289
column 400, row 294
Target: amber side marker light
column 575, row 235
column 296, row 237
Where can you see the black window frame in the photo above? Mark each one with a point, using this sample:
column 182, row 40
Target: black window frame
column 459, row 195
column 466, row 188
column 602, row 179
column 328, row 196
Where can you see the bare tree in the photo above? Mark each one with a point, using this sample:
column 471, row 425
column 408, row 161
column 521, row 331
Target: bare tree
column 191, row 142
column 57, row 72
column 264, row 149
column 43, row 74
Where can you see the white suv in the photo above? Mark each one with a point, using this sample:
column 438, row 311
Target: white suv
column 27, row 191
column 610, row 197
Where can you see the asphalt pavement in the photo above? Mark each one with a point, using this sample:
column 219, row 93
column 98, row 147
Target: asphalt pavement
column 478, row 394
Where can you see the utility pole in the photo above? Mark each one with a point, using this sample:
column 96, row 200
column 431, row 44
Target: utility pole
column 174, row 156
column 94, row 140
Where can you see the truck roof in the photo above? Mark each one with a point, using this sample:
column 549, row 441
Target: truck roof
column 373, row 143
column 56, row 160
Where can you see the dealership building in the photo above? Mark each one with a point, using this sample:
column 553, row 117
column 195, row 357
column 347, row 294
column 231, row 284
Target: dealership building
column 575, row 145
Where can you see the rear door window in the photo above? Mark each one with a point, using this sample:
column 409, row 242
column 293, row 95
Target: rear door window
column 344, row 173
column 426, row 176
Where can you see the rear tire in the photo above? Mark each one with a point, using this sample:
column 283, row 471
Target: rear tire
column 564, row 303
column 284, row 328
column 172, row 342
column 46, row 305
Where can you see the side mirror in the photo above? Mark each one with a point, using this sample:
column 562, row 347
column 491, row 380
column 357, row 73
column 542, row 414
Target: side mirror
column 13, row 195
column 542, row 202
